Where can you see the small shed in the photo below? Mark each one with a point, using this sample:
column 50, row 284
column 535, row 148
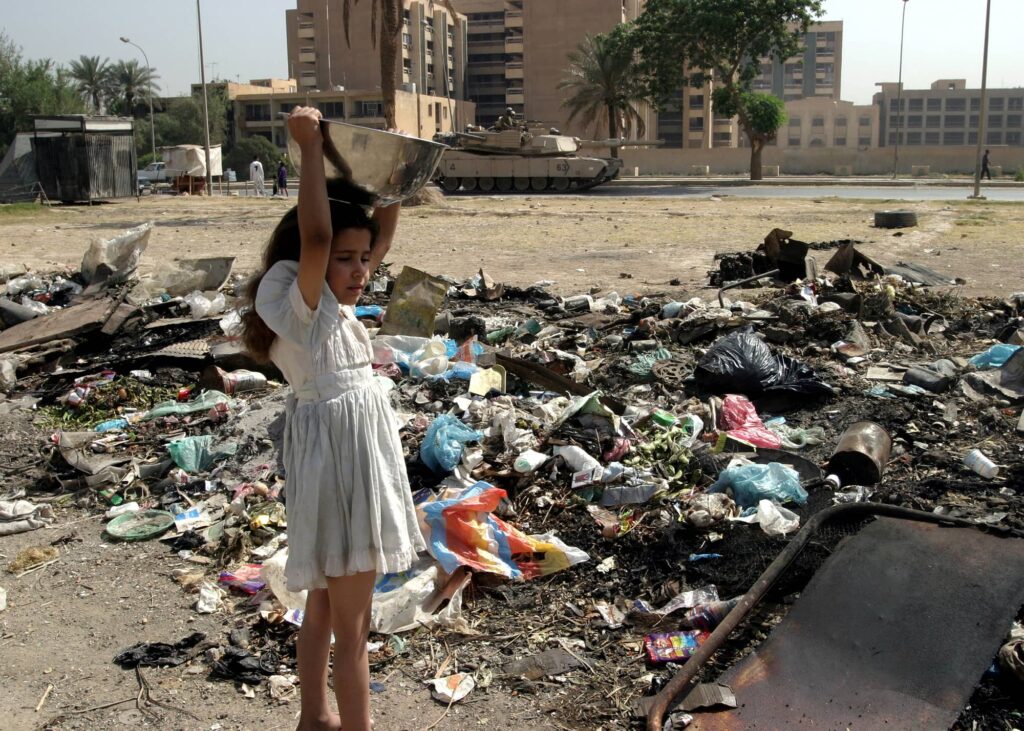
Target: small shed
column 85, row 158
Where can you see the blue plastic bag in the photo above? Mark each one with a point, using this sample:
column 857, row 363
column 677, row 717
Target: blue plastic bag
column 445, row 442
column 752, row 483
column 994, row 357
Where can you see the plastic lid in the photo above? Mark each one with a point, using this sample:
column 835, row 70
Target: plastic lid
column 140, row 526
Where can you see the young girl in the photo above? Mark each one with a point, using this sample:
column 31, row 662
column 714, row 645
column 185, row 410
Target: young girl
column 350, row 511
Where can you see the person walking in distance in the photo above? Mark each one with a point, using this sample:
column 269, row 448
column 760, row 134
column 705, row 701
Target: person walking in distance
column 282, row 178
column 256, row 175
column 349, row 506
column 985, row 172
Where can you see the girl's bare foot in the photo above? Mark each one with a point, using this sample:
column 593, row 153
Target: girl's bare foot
column 330, row 722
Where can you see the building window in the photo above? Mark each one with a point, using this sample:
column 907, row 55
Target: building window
column 864, row 142
column 793, row 142
column 287, row 107
column 895, row 120
column 953, row 138
column 696, row 101
column 975, row 104
column 931, row 138
column 370, row 109
column 972, row 123
column 996, row 104
column 916, row 105
column 722, row 139
column 954, row 120
column 1013, row 120
column 995, row 121
column 817, row 121
column 913, row 138
column 864, row 121
column 794, row 121
column 935, row 105
column 332, row 110
column 892, row 138
column 840, row 121
column 993, row 138
column 1013, row 138
column 696, row 124
column 956, row 105
column 840, row 142
column 914, row 121
column 933, row 121
column 817, row 142
column 895, row 104
column 407, row 40
column 972, row 138
column 257, row 112
column 1015, row 104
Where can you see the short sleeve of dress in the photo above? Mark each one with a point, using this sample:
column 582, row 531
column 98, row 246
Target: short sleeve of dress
column 279, row 303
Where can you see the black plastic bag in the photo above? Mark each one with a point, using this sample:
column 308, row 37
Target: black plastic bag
column 160, row 654
column 742, row 363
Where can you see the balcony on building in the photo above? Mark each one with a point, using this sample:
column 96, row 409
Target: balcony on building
column 306, row 30
column 307, row 55
column 514, row 95
column 514, row 44
column 514, row 70
column 514, row 19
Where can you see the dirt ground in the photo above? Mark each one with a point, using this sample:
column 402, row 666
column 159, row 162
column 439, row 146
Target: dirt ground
column 65, row 622
column 579, row 242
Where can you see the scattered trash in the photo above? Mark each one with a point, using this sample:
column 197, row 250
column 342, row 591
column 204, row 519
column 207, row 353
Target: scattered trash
column 161, row 654
column 976, row 461
column 453, row 688
column 673, row 646
column 140, row 526
column 749, row 484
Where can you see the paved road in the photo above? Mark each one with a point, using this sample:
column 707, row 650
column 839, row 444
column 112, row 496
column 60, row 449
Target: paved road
column 912, row 193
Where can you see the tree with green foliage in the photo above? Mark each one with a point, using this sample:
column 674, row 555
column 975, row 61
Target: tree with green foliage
column 92, row 75
column 131, row 82
column 726, row 38
column 603, row 82
column 245, row 149
column 181, row 122
column 28, row 88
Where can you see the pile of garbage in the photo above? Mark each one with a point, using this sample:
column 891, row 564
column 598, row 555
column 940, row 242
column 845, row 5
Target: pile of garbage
column 622, row 468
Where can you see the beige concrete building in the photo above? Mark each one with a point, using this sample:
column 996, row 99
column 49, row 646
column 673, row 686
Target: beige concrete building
column 518, row 52
column 233, row 89
column 825, row 122
column 948, row 113
column 814, row 74
column 420, row 114
column 433, row 48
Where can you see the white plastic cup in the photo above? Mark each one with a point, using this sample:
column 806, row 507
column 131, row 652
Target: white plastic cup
column 576, row 458
column 529, row 460
column 979, row 463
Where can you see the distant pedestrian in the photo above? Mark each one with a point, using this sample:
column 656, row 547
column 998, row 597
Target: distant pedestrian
column 256, row 175
column 282, row 178
column 985, row 172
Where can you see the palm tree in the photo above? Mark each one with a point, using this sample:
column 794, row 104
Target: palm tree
column 385, row 22
column 603, row 82
column 92, row 76
column 128, row 79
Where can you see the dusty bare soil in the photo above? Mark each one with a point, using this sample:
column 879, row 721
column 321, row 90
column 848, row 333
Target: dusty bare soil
column 65, row 622
column 579, row 242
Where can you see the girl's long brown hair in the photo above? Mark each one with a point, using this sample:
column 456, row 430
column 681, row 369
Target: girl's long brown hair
column 348, row 203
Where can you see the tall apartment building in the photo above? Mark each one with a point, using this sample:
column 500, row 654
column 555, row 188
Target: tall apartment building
column 948, row 114
column 433, row 45
column 518, row 53
column 692, row 122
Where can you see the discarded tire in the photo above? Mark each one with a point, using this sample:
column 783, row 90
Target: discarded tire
column 895, row 219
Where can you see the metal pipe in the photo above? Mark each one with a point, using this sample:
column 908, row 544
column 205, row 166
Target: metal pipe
column 740, row 283
column 983, row 112
column 678, row 683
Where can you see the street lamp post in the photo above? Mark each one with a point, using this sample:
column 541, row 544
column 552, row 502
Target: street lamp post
column 206, row 108
column 899, row 99
column 983, row 112
column 152, row 128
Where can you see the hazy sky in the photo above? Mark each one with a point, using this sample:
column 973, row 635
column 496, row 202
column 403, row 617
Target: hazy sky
column 245, row 39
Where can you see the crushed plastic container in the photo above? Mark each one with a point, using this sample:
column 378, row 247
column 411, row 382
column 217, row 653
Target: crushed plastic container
column 977, row 462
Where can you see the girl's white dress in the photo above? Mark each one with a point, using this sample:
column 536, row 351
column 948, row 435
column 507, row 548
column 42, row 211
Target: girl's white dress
column 347, row 493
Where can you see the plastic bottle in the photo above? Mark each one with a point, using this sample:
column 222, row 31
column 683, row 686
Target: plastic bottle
column 111, row 425
column 576, row 458
column 708, row 616
column 979, row 463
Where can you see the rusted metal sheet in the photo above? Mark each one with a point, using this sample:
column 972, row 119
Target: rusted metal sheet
column 86, row 166
column 66, row 323
column 893, row 631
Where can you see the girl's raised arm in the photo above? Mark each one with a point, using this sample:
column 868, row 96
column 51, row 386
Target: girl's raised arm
column 387, row 218
column 315, row 232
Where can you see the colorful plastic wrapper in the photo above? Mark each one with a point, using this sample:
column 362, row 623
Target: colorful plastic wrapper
column 245, row 578
column 740, row 420
column 674, row 646
column 463, row 531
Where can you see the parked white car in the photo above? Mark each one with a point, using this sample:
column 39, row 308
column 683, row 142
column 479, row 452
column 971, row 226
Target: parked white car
column 155, row 172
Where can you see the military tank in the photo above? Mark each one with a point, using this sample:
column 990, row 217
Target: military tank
column 522, row 160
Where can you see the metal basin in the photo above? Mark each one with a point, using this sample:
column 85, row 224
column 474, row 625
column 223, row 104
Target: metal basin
column 391, row 166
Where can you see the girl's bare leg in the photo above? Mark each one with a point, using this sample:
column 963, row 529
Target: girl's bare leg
column 314, row 648
column 350, row 599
